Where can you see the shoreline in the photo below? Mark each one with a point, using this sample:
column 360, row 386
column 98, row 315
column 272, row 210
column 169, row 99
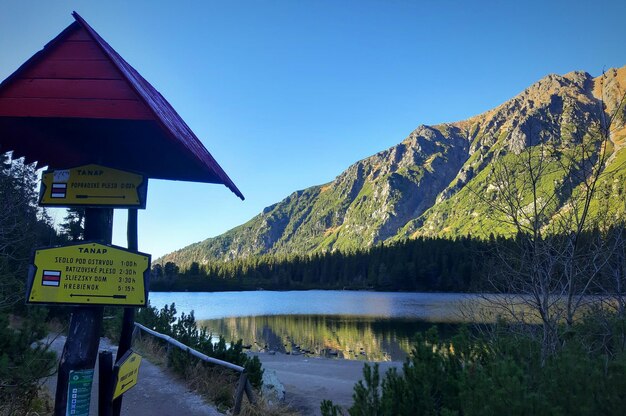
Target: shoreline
column 308, row 380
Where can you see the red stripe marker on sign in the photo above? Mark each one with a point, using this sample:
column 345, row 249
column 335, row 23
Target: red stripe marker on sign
column 51, row 278
column 59, row 190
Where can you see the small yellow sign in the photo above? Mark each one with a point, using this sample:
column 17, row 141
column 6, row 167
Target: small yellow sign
column 93, row 185
column 89, row 273
column 126, row 373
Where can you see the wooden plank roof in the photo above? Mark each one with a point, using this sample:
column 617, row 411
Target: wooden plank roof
column 77, row 101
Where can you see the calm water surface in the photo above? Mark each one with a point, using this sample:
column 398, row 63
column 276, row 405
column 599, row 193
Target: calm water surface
column 434, row 307
column 343, row 324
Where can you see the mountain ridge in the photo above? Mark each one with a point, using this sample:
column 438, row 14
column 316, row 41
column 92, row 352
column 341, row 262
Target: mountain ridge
column 420, row 186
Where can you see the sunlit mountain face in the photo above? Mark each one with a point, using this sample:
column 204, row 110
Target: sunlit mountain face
column 437, row 181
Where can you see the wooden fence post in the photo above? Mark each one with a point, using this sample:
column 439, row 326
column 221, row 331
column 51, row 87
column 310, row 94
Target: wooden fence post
column 241, row 387
column 250, row 392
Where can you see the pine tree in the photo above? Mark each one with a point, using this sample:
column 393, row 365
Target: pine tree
column 74, row 224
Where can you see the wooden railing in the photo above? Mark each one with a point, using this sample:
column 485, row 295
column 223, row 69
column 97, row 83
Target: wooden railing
column 242, row 386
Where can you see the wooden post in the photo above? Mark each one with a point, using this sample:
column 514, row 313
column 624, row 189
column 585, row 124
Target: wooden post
column 105, row 383
column 128, row 321
column 250, row 392
column 83, row 338
column 241, row 387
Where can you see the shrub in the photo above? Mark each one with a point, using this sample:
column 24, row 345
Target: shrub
column 23, row 363
column 185, row 330
column 502, row 375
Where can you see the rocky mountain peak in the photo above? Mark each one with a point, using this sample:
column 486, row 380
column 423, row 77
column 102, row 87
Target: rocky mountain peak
column 422, row 186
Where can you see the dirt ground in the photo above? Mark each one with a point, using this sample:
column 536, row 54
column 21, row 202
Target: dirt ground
column 309, row 380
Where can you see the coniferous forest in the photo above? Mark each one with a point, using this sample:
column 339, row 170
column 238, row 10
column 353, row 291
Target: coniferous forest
column 464, row 264
column 423, row 264
column 23, row 361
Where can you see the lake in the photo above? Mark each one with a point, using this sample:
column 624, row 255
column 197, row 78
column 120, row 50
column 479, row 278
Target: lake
column 358, row 325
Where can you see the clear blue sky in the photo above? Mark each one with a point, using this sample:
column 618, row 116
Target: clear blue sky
column 287, row 94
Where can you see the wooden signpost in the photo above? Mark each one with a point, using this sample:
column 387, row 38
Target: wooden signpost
column 83, row 338
column 91, row 272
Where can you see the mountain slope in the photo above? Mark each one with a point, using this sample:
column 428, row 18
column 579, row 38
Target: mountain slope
column 435, row 181
column 559, row 109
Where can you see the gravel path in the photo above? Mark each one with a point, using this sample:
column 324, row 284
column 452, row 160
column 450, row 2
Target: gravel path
column 307, row 381
column 157, row 393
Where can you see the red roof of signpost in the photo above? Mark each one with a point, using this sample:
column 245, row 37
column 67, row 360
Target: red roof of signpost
column 78, row 101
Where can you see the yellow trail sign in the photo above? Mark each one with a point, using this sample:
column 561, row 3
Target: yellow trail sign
column 126, row 373
column 89, row 274
column 93, row 185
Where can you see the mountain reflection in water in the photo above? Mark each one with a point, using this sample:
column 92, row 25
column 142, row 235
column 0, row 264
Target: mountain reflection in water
column 349, row 337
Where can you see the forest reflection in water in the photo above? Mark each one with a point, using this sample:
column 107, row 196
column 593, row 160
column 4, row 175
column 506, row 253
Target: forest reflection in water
column 344, row 324
column 348, row 337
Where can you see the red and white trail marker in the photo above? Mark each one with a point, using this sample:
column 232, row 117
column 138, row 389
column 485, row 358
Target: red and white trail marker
column 51, row 278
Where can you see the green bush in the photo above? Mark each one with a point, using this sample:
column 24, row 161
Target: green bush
column 23, row 362
column 23, row 226
column 502, row 375
column 185, row 329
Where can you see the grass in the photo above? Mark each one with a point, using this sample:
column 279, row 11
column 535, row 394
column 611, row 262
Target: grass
column 32, row 398
column 215, row 385
column 262, row 408
column 40, row 404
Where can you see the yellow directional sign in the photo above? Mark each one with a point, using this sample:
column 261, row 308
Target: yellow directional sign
column 89, row 273
column 93, row 185
column 126, row 373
